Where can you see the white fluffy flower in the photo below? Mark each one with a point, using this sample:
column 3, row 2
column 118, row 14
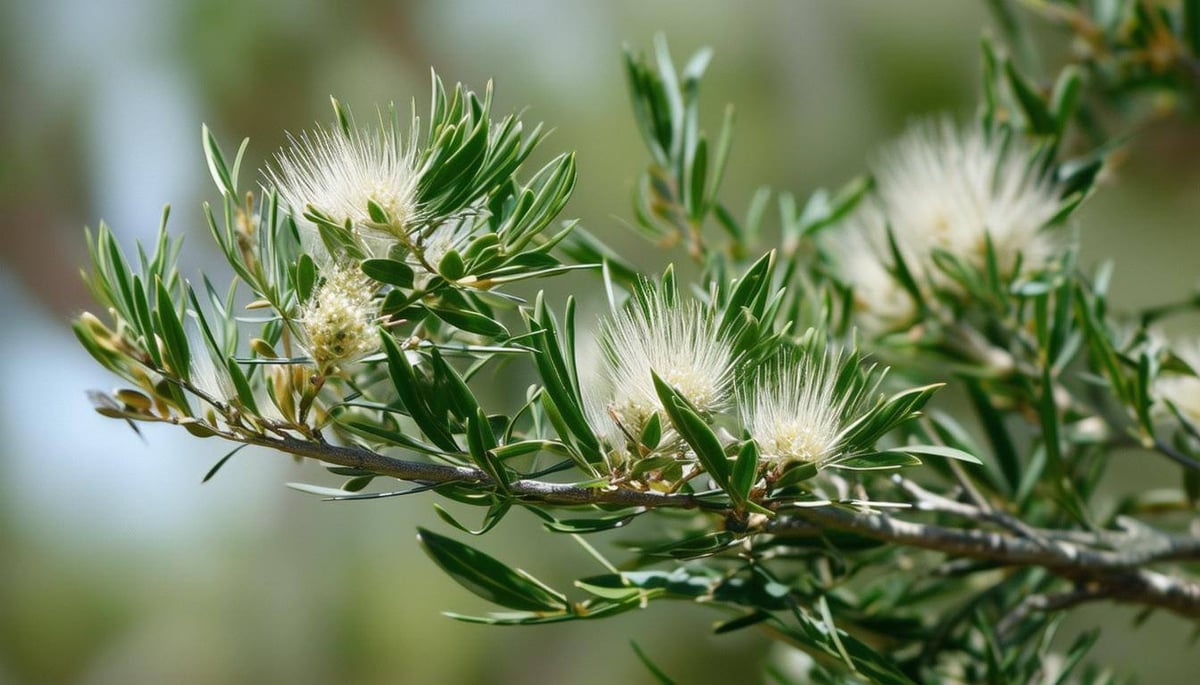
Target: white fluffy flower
column 679, row 342
column 795, row 412
column 947, row 188
column 861, row 257
column 337, row 320
column 338, row 174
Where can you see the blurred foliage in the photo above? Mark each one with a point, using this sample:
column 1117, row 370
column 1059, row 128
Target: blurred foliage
column 368, row 627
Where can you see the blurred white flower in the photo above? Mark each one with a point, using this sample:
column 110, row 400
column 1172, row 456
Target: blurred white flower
column 452, row 235
column 338, row 174
column 948, row 188
column 794, row 411
column 676, row 340
column 1182, row 390
column 337, row 320
column 205, row 373
column 862, row 260
column 597, row 400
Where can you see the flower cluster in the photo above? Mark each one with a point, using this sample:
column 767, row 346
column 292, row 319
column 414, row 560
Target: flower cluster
column 795, row 408
column 342, row 174
column 794, row 411
column 951, row 190
column 337, row 320
column 677, row 341
column 861, row 257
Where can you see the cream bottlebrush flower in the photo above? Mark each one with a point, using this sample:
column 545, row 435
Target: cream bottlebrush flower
column 339, row 174
column 679, row 342
column 949, row 188
column 338, row 320
column 794, row 412
column 862, row 260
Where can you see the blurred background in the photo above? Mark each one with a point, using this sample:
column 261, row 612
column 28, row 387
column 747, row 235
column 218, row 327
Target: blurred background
column 117, row 566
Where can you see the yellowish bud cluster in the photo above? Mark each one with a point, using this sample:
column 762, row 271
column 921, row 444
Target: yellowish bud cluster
column 338, row 319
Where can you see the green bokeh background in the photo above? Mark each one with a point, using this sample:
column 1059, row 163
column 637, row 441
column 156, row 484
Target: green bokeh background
column 117, row 566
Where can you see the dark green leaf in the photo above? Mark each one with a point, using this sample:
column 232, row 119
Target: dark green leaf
column 489, row 578
column 588, row 525
column 494, row 515
column 451, row 266
column 745, row 472
column 306, row 277
column 174, row 338
column 796, row 472
column 651, row 433
column 409, row 393
column 376, row 213
column 481, row 442
column 698, row 435
column 389, row 271
column 241, row 385
column 744, row 621
column 217, row 466
column 1032, row 103
column 471, row 322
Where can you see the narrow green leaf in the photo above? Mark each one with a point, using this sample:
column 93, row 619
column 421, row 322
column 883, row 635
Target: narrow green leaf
column 489, row 578
column 583, row 526
column 1065, row 97
column 937, row 451
column 695, row 432
column 901, row 407
column 744, row 621
column 876, row 461
column 388, row 437
column 319, row 490
column 698, row 177
column 480, row 442
column 221, row 462
column 1032, row 103
column 651, row 433
column 795, row 473
column 462, row 401
column 389, row 271
column 745, row 472
column 998, row 435
column 216, row 163
column 409, row 393
column 471, row 322
column 241, row 385
column 560, row 392
column 173, row 335
column 659, row 676
column 494, row 515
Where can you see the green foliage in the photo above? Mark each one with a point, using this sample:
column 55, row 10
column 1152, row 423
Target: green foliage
column 372, row 332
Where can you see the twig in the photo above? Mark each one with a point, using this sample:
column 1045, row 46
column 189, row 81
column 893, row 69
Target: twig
column 427, row 473
column 1116, row 569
